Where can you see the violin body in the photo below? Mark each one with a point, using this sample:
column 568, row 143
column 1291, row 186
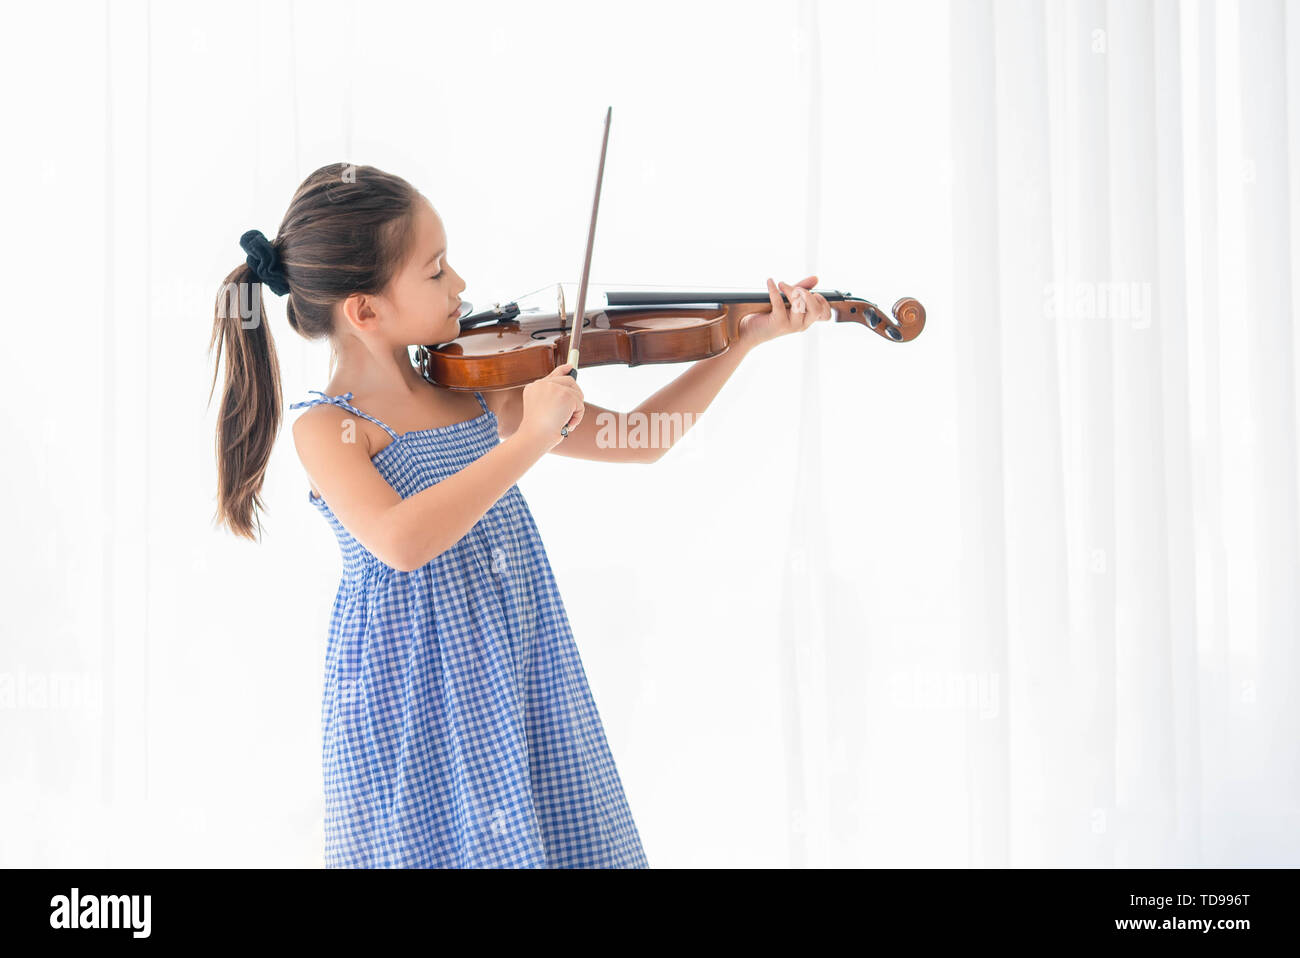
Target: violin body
column 508, row 346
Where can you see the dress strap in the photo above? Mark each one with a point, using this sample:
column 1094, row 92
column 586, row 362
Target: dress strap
column 482, row 402
column 342, row 400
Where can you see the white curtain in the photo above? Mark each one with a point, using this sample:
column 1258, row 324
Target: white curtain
column 1020, row 592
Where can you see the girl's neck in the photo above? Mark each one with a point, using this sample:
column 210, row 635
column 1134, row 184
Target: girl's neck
column 361, row 369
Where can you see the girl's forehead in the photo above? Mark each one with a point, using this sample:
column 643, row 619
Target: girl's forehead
column 430, row 228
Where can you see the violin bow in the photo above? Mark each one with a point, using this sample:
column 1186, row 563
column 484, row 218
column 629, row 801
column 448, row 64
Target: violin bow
column 575, row 332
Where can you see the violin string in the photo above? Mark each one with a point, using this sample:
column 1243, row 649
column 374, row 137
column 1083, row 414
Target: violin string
column 687, row 287
column 683, row 287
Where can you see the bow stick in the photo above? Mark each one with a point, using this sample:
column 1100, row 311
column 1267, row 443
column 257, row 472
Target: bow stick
column 580, row 314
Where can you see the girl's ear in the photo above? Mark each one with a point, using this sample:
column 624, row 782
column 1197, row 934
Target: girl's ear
column 359, row 311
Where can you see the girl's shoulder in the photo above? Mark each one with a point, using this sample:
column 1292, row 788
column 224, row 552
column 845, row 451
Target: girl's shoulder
column 319, row 418
column 322, row 407
column 331, row 417
column 320, row 410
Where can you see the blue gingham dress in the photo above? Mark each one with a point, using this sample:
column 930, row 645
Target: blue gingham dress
column 459, row 729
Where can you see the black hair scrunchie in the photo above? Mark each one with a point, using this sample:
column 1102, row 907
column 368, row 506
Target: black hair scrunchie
column 263, row 261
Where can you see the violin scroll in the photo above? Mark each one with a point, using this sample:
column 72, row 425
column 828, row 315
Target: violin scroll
column 905, row 324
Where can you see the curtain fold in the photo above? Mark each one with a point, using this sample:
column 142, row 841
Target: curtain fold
column 1269, row 331
column 1148, row 626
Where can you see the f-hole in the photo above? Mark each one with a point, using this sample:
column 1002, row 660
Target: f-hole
column 543, row 333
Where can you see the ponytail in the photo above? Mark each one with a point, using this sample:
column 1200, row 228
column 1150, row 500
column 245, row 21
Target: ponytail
column 250, row 413
column 347, row 230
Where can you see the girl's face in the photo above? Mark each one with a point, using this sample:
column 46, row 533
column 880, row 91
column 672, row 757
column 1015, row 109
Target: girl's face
column 424, row 295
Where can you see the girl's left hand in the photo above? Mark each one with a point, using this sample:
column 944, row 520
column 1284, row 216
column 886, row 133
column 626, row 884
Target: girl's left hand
column 805, row 309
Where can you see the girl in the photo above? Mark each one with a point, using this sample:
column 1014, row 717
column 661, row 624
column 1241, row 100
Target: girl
column 459, row 729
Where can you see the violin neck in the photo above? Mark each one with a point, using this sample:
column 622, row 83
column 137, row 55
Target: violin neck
column 674, row 298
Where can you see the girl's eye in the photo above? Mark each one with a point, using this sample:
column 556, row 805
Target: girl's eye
column 438, row 275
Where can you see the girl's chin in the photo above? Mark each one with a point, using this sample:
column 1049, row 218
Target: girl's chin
column 445, row 333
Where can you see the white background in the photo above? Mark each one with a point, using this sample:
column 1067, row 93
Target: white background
column 1021, row 592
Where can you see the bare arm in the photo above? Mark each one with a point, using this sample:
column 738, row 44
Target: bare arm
column 647, row 432
column 589, row 441
column 405, row 533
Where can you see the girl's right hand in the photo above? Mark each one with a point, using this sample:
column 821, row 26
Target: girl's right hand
column 552, row 402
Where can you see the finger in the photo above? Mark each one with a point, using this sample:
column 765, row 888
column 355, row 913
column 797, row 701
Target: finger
column 798, row 300
column 788, row 290
column 800, row 288
column 800, row 305
column 805, row 313
column 778, row 304
column 814, row 310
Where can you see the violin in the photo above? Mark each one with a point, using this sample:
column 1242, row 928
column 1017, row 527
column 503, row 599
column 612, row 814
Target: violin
column 510, row 345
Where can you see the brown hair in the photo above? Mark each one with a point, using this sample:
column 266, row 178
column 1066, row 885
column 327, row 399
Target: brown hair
column 347, row 230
